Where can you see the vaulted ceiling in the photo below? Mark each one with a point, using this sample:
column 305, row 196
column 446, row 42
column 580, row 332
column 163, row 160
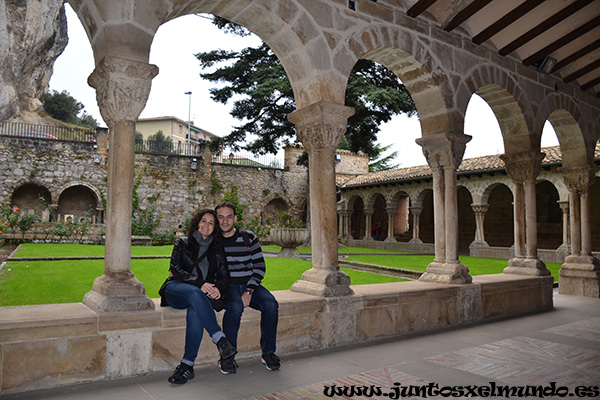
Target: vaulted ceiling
column 557, row 37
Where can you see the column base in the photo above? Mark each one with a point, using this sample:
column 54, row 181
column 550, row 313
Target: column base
column 390, row 239
column 415, row 241
column 452, row 273
column 323, row 283
column 289, row 252
column 118, row 293
column 526, row 266
column 475, row 246
column 580, row 276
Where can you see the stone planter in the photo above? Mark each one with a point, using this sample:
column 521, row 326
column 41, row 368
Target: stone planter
column 289, row 239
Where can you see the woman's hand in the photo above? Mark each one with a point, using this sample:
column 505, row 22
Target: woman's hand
column 211, row 291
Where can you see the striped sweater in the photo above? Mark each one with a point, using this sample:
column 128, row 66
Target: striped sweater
column 246, row 263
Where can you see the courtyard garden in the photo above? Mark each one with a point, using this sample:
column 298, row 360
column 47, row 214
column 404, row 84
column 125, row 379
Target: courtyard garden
column 63, row 273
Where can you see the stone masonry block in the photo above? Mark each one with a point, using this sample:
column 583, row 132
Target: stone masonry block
column 53, row 362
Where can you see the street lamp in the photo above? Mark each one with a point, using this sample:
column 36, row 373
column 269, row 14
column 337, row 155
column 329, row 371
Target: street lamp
column 189, row 132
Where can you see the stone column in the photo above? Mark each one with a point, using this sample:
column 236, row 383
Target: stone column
column 580, row 273
column 320, row 127
column 368, row 223
column 122, row 89
column 345, row 224
column 444, row 154
column 416, row 213
column 523, row 168
column 479, row 210
column 519, row 222
column 564, row 248
column 391, row 212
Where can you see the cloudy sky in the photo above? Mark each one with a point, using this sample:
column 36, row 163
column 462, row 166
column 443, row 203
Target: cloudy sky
column 173, row 51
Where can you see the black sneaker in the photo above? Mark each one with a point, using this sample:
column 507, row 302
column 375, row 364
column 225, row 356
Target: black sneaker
column 226, row 349
column 182, row 374
column 228, row 366
column 272, row 362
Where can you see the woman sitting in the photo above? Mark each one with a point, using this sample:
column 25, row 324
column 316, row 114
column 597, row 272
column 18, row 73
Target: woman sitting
column 198, row 279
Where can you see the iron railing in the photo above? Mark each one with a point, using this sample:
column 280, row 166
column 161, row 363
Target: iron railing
column 167, row 147
column 47, row 132
column 248, row 159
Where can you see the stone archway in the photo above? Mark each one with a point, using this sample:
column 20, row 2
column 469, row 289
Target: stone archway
column 499, row 218
column 32, row 198
column 549, row 216
column 466, row 220
column 77, row 203
column 357, row 217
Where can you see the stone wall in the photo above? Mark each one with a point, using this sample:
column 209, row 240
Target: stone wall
column 177, row 188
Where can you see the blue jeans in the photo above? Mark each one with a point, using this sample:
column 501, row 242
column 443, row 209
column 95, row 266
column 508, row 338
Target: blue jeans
column 200, row 316
column 263, row 301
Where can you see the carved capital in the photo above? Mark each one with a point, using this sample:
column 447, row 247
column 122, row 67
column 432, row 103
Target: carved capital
column 524, row 166
column 321, row 125
column 564, row 206
column 122, row 87
column 416, row 211
column 480, row 208
column 579, row 178
column 444, row 150
column 391, row 211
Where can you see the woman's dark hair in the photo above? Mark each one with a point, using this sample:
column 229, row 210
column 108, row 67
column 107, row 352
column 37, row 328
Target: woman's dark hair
column 195, row 221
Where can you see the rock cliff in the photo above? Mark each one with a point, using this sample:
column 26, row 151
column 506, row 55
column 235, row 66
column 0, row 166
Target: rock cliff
column 33, row 33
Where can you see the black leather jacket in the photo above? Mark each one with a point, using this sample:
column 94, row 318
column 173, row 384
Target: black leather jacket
column 184, row 260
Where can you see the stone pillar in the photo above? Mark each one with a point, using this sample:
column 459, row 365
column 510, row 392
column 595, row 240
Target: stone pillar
column 564, row 248
column 519, row 223
column 479, row 241
column 346, row 224
column 439, row 238
column 523, row 168
column 444, row 154
column 368, row 223
column 122, row 89
column 320, row 127
column 416, row 213
column 391, row 212
column 580, row 273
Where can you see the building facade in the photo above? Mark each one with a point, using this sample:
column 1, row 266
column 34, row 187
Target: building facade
column 183, row 135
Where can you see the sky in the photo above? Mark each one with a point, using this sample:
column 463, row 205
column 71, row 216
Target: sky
column 173, row 51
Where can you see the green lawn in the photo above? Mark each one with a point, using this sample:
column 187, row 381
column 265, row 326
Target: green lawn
column 341, row 250
column 477, row 265
column 67, row 281
column 83, row 250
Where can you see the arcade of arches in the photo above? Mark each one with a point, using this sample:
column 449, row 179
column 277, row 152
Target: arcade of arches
column 401, row 201
column 78, row 201
column 318, row 43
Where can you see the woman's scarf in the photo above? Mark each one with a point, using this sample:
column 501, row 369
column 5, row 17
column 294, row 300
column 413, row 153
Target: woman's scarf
column 202, row 248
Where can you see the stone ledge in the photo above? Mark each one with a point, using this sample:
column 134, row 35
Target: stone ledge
column 63, row 344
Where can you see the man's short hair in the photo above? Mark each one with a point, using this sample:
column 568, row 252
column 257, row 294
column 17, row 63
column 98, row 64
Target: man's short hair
column 225, row 204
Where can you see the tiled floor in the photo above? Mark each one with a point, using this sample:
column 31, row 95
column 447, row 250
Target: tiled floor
column 561, row 346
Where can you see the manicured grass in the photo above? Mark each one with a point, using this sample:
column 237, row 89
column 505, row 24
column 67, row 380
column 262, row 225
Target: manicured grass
column 477, row 265
column 341, row 250
column 28, row 250
column 67, row 281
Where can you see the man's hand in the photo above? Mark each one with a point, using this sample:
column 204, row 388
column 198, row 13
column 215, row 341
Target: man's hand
column 246, row 298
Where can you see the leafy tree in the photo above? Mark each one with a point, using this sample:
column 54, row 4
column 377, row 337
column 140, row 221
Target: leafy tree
column 159, row 143
column 64, row 107
column 264, row 97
